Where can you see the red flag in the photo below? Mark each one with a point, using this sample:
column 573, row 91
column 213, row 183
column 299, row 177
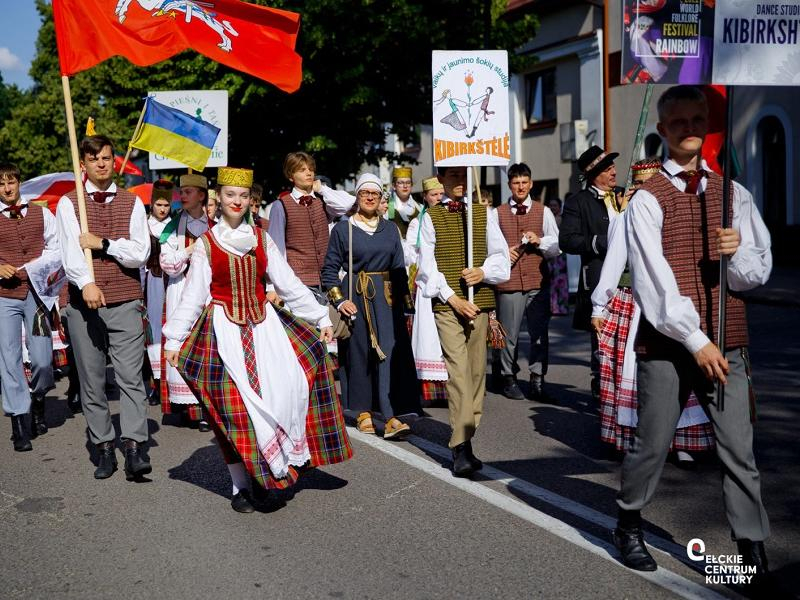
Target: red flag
column 716, row 97
column 47, row 190
column 246, row 37
column 130, row 168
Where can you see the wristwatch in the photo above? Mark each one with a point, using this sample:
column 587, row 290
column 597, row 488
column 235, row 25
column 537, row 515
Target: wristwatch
column 106, row 243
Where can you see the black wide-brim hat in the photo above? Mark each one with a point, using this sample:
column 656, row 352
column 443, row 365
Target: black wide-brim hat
column 594, row 161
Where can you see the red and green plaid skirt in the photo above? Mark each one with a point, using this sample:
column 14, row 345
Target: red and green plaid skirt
column 616, row 391
column 204, row 372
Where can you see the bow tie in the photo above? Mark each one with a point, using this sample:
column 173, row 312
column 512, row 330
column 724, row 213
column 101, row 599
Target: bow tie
column 454, row 206
column 15, row 210
column 100, row 197
column 306, row 200
column 692, row 179
column 521, row 209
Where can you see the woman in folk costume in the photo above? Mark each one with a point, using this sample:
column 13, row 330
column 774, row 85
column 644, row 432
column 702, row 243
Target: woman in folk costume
column 377, row 365
column 178, row 241
column 615, row 317
column 431, row 368
column 154, row 280
column 261, row 373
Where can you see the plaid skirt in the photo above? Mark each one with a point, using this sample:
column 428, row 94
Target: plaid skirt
column 618, row 391
column 203, row 370
column 434, row 392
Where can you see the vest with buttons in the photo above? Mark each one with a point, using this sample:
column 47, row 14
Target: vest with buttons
column 21, row 241
column 451, row 252
column 530, row 271
column 112, row 221
column 689, row 244
column 306, row 238
column 238, row 283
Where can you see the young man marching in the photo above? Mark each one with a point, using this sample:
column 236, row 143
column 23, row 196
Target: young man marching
column 675, row 244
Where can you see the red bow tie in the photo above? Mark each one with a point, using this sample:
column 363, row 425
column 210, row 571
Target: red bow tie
column 521, row 209
column 101, row 196
column 15, row 210
column 306, row 200
column 692, row 179
column 454, row 206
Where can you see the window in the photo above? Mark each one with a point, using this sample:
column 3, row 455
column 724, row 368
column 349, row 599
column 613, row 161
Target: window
column 540, row 97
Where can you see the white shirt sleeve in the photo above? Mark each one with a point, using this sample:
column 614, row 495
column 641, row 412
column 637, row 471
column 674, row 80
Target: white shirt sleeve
column 297, row 296
column 654, row 286
column 410, row 243
column 195, row 296
column 72, row 256
column 174, row 260
column 613, row 267
column 52, row 249
column 548, row 245
column 497, row 266
column 430, row 280
column 133, row 252
column 751, row 264
column 337, row 202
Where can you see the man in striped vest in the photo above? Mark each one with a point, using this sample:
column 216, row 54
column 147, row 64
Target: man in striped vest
column 531, row 234
column 674, row 247
column 445, row 277
column 104, row 314
column 27, row 235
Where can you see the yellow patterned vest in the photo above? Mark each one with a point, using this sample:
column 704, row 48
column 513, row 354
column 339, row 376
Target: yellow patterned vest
column 451, row 252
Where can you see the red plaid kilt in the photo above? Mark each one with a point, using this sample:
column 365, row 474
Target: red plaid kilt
column 615, row 393
column 204, row 372
column 434, row 392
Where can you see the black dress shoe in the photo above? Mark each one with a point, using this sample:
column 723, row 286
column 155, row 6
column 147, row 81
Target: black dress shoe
column 511, row 389
column 106, row 460
column 202, row 425
column 537, row 393
column 477, row 465
column 243, row 502
column 38, row 425
column 19, row 434
column 753, row 555
column 596, row 390
column 630, row 542
column 74, row 402
column 135, row 464
column 462, row 467
column 154, row 399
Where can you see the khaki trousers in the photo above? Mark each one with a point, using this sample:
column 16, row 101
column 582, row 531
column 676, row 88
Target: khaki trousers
column 464, row 350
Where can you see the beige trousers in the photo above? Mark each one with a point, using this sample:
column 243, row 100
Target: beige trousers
column 464, row 350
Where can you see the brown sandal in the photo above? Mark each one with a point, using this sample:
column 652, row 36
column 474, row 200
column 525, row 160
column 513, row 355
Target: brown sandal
column 395, row 430
column 364, row 423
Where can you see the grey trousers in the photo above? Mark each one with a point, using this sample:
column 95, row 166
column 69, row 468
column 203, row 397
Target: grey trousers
column 16, row 392
column 664, row 387
column 115, row 331
column 535, row 306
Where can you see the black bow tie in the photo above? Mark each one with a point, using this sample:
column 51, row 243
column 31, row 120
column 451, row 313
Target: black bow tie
column 521, row 209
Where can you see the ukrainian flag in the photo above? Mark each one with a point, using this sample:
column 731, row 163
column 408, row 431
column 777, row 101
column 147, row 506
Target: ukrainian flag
column 176, row 135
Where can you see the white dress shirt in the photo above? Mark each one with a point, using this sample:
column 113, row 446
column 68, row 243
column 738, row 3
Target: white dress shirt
column 174, row 258
column 496, row 268
column 654, row 285
column 131, row 253
column 548, row 243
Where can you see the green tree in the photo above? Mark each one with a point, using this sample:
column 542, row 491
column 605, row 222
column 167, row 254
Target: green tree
column 366, row 64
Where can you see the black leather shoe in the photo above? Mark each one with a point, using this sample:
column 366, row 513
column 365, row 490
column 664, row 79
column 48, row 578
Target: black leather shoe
column 154, row 399
column 537, row 393
column 473, row 460
column 106, row 460
column 74, row 402
column 462, row 467
column 596, row 390
column 243, row 502
column 38, row 425
column 753, row 555
column 135, row 464
column 630, row 542
column 511, row 389
column 19, row 434
column 202, row 425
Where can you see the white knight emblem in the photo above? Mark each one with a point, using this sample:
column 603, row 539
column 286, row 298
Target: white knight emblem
column 168, row 8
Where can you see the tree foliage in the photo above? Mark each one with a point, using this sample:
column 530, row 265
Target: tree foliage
column 366, row 64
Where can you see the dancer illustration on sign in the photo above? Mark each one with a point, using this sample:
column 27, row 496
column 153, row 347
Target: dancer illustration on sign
column 483, row 113
column 454, row 118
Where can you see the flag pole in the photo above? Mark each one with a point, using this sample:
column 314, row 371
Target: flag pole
column 76, row 169
column 470, row 257
column 637, row 141
column 723, row 259
column 133, row 137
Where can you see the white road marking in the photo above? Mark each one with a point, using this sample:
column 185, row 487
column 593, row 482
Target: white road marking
column 664, row 578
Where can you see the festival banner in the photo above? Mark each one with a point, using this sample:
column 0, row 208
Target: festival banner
column 757, row 42
column 470, row 108
column 668, row 41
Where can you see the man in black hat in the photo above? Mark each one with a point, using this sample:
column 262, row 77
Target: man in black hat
column 584, row 229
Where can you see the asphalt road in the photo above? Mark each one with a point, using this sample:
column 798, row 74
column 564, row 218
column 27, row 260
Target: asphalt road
column 392, row 522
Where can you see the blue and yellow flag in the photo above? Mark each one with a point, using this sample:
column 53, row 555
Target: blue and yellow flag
column 176, row 135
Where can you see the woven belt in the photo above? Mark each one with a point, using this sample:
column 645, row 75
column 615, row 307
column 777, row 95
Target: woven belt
column 365, row 287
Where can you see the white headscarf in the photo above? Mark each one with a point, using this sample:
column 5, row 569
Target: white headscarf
column 369, row 181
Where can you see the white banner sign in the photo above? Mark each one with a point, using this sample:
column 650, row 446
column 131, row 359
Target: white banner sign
column 470, row 108
column 209, row 105
column 757, row 42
